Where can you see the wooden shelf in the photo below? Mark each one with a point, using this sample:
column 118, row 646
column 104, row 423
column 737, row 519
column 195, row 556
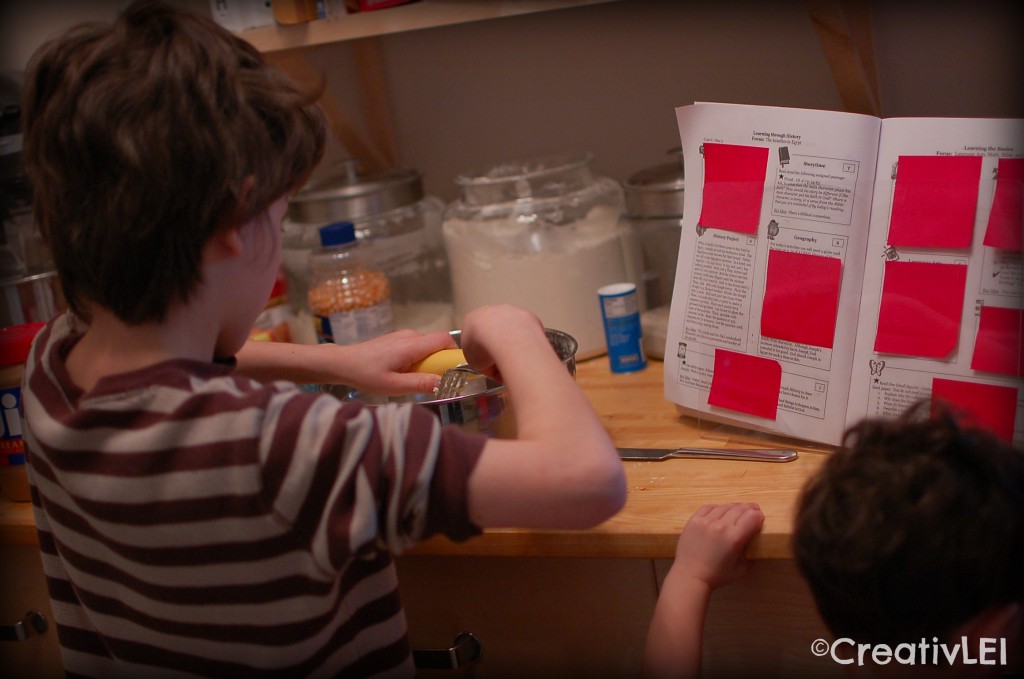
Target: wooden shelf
column 422, row 14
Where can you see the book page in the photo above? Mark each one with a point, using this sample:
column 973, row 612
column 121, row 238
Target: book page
column 941, row 315
column 764, row 311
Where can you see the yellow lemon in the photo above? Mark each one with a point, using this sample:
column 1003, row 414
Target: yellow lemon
column 439, row 361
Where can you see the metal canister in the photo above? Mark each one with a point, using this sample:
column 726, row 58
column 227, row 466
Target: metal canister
column 399, row 229
column 654, row 210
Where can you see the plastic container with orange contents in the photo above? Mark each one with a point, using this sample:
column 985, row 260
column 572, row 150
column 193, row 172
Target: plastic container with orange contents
column 349, row 296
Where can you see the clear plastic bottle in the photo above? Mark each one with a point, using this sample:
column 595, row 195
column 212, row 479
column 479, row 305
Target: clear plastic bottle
column 349, row 296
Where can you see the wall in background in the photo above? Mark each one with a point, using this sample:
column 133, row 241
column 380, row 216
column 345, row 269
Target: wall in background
column 607, row 78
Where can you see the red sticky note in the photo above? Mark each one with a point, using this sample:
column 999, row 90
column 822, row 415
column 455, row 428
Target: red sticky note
column 989, row 406
column 920, row 310
column 748, row 384
column 1006, row 220
column 934, row 201
column 998, row 347
column 801, row 298
column 733, row 186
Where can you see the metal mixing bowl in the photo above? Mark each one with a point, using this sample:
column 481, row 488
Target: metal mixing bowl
column 488, row 411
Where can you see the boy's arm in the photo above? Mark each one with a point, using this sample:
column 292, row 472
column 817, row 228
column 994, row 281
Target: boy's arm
column 379, row 365
column 709, row 554
column 562, row 469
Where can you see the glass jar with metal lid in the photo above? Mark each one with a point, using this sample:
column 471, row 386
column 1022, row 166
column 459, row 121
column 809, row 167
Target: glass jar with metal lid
column 543, row 233
column 398, row 227
column 654, row 210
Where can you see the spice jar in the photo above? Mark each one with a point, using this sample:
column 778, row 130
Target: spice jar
column 15, row 342
column 654, row 210
column 398, row 228
column 349, row 297
column 542, row 233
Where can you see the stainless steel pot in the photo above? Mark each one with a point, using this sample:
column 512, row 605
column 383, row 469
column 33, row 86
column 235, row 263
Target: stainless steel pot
column 487, row 412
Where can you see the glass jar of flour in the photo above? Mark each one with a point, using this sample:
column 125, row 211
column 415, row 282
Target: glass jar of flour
column 542, row 233
column 399, row 230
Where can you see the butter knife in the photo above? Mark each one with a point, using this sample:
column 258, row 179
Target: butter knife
column 756, row 454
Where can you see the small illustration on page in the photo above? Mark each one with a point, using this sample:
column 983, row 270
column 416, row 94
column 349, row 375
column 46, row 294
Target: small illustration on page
column 773, row 229
column 876, row 367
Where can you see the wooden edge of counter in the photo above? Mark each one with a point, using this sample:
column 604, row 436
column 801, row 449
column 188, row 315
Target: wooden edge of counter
column 589, row 544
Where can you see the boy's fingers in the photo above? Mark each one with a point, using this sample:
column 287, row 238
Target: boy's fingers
column 426, row 383
column 408, row 383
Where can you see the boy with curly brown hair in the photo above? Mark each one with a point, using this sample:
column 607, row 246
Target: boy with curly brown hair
column 195, row 515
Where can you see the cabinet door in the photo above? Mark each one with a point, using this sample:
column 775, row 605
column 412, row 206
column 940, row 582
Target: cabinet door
column 763, row 625
column 534, row 617
column 23, row 589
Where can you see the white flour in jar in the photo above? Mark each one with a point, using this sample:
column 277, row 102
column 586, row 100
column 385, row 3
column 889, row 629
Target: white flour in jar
column 554, row 271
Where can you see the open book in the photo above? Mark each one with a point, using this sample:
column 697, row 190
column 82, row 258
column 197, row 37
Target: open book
column 834, row 266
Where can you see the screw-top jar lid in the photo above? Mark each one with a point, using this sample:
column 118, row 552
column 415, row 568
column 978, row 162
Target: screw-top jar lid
column 536, row 178
column 15, row 341
column 338, row 233
column 351, row 195
column 656, row 191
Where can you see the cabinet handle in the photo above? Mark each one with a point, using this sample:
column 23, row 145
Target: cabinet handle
column 34, row 623
column 465, row 649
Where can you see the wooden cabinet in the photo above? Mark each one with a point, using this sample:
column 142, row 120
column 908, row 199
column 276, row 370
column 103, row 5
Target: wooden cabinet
column 23, row 589
column 534, row 616
column 580, row 617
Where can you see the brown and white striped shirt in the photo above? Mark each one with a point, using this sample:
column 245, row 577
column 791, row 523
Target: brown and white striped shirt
column 196, row 523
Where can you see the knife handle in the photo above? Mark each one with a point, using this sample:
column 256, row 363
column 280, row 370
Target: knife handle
column 761, row 454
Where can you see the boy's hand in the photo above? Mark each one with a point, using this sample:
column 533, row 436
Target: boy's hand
column 381, row 365
column 502, row 334
column 710, row 548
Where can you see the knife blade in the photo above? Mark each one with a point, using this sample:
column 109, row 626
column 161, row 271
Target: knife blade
column 755, row 454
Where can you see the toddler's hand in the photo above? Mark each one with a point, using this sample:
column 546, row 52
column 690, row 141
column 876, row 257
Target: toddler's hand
column 710, row 548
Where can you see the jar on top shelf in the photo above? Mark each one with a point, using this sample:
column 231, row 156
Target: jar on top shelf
column 543, row 233
column 399, row 229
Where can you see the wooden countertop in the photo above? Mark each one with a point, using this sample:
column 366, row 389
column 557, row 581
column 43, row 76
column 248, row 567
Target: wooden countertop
column 662, row 495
